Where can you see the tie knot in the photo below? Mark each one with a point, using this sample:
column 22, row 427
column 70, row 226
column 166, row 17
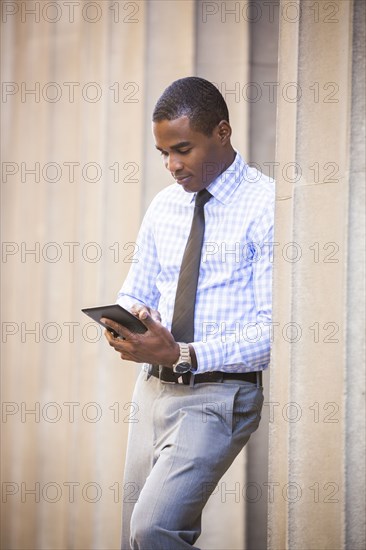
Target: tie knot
column 202, row 197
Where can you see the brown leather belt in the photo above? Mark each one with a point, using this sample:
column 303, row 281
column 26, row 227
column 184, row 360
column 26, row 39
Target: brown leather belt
column 167, row 375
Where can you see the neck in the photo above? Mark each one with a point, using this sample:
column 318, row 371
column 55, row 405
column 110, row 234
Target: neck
column 228, row 159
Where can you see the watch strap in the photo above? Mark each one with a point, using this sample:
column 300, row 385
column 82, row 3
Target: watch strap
column 184, row 354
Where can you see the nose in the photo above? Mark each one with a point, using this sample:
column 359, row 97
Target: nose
column 173, row 163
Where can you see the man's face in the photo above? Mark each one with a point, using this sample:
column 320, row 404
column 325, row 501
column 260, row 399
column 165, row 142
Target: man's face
column 193, row 159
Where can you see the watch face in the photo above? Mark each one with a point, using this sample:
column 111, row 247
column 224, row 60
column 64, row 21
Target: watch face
column 181, row 368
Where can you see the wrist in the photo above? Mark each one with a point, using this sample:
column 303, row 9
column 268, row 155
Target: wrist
column 173, row 356
column 184, row 362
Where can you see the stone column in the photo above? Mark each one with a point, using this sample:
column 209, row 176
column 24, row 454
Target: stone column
column 316, row 473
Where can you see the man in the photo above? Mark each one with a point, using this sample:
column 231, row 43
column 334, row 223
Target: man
column 202, row 287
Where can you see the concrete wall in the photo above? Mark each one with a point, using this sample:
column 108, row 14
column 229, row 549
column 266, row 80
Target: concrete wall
column 316, row 447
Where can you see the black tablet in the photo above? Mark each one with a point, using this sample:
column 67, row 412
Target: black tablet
column 116, row 313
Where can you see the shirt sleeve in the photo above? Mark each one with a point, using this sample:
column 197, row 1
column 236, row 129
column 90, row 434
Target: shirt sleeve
column 248, row 347
column 139, row 285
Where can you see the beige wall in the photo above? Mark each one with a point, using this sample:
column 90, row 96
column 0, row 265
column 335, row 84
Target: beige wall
column 61, row 363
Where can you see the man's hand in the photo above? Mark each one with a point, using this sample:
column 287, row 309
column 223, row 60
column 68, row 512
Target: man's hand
column 138, row 309
column 156, row 346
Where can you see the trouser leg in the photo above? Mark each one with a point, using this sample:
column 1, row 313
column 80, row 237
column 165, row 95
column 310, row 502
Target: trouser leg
column 197, row 433
column 140, row 450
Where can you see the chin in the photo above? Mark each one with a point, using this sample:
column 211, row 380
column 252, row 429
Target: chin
column 189, row 188
column 195, row 188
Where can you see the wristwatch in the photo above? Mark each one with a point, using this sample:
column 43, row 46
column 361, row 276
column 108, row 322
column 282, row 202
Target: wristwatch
column 184, row 362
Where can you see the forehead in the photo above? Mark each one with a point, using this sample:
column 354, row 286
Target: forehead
column 168, row 133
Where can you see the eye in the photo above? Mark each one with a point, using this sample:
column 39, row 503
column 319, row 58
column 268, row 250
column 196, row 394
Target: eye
column 185, row 151
column 163, row 154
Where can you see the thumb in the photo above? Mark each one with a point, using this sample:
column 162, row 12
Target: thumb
column 146, row 318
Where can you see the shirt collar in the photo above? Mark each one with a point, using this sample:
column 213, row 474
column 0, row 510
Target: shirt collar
column 225, row 184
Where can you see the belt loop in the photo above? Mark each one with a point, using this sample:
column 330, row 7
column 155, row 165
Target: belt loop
column 148, row 371
column 259, row 379
column 191, row 382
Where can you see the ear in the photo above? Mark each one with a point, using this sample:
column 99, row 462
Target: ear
column 224, row 132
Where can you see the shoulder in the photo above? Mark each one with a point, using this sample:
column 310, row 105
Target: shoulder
column 254, row 199
column 257, row 185
column 255, row 194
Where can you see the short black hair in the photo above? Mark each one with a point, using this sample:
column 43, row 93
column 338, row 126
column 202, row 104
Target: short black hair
column 196, row 98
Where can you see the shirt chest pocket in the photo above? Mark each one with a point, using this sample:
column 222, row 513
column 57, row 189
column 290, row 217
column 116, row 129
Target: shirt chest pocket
column 227, row 261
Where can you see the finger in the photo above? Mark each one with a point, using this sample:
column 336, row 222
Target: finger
column 125, row 357
column 112, row 340
column 135, row 308
column 108, row 335
column 156, row 315
column 116, row 343
column 147, row 319
column 119, row 329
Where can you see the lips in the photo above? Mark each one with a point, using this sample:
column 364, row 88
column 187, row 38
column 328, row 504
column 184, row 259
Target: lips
column 182, row 179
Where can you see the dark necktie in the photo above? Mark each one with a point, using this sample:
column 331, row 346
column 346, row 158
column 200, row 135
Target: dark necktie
column 185, row 298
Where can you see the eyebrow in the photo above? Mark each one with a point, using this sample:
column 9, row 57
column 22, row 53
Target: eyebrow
column 177, row 145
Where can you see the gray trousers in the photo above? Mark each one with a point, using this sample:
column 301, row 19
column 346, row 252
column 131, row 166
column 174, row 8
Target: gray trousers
column 180, row 444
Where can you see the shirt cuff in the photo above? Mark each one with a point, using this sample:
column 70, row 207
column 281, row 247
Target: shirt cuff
column 210, row 356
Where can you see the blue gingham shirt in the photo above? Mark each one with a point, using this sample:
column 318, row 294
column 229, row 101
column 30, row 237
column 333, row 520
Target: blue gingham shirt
column 234, row 294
